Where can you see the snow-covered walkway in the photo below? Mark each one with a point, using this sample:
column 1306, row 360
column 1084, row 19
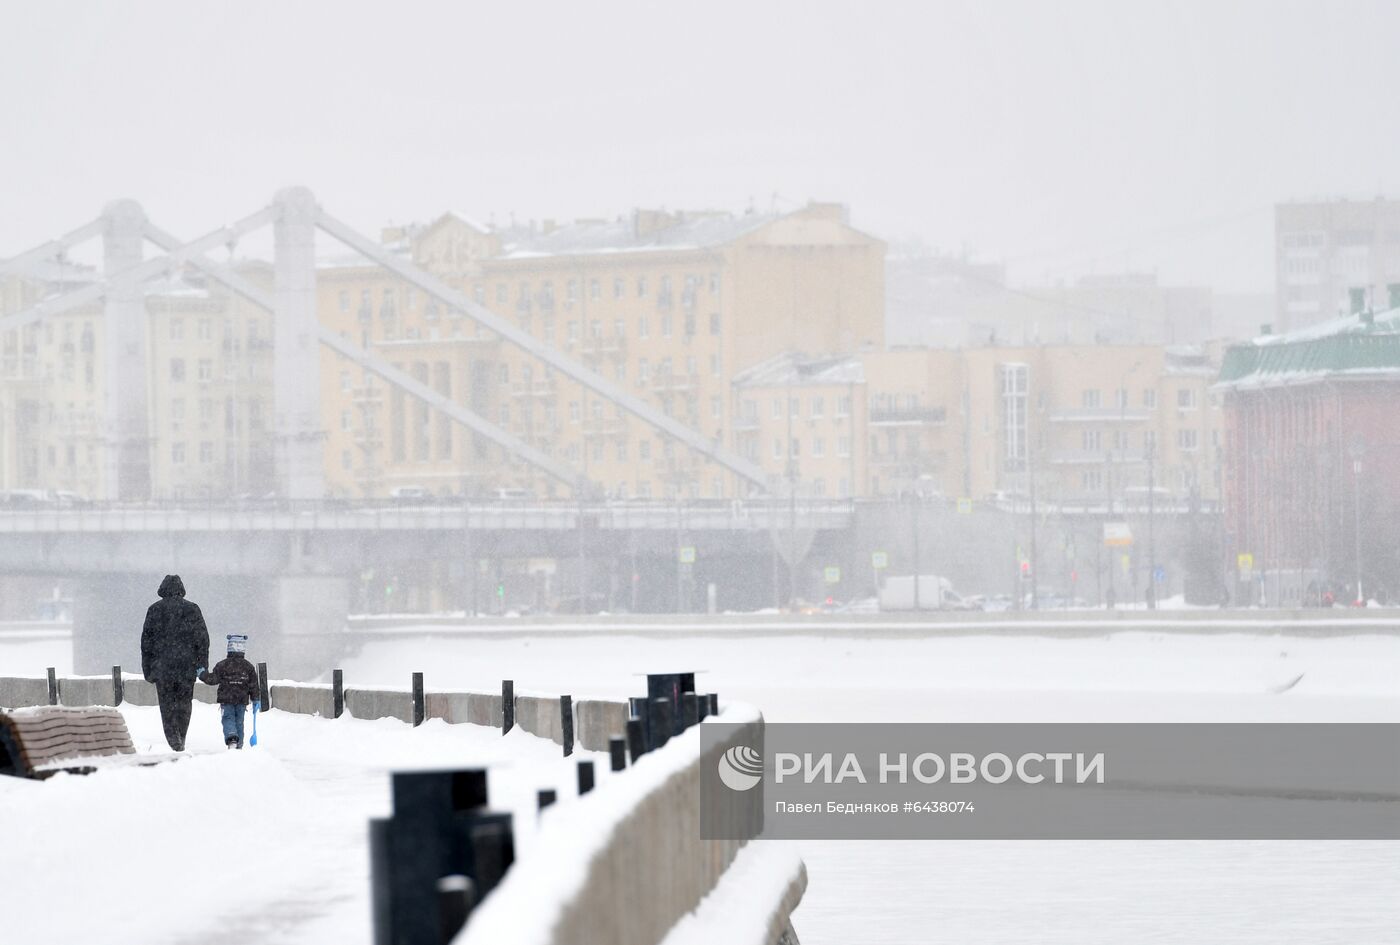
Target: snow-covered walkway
column 267, row 845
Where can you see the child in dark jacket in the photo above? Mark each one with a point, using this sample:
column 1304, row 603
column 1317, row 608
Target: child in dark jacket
column 237, row 680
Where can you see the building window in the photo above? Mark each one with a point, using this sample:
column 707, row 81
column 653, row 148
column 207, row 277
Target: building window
column 818, row 407
column 177, row 369
column 1015, row 387
column 1090, row 441
column 1149, row 398
column 345, row 420
column 344, row 300
column 1187, row 441
column 843, row 446
column 717, row 408
column 206, row 452
column 177, row 454
column 1091, row 480
column 665, row 326
column 502, row 293
column 345, row 382
column 206, row 369
column 777, row 448
column 643, row 370
column 619, row 328
column 204, row 329
column 643, row 327
column 1186, row 398
column 619, row 287
column 1089, row 399
column 1120, row 398
column 641, row 287
column 714, row 323
column 818, row 447
column 843, row 405
column 622, row 451
column 575, row 411
column 177, row 329
column 644, row 449
column 777, row 408
column 714, row 365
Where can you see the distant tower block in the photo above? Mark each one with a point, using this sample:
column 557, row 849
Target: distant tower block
column 126, row 461
column 296, row 348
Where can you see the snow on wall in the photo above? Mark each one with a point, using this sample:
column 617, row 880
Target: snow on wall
column 621, row 865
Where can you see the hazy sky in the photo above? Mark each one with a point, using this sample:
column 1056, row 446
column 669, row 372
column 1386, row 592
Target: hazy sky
column 1061, row 137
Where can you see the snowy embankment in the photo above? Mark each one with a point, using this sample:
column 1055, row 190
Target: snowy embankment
column 266, row 844
column 315, row 878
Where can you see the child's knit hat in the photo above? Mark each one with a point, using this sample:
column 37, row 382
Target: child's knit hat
column 238, row 642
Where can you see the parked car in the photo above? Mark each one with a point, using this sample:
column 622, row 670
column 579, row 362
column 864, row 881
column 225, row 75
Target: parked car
column 410, row 494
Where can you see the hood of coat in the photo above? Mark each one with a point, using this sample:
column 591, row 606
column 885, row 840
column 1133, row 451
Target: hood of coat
column 172, row 586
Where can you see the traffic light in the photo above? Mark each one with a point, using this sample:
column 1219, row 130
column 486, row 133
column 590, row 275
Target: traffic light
column 1025, row 570
column 501, row 591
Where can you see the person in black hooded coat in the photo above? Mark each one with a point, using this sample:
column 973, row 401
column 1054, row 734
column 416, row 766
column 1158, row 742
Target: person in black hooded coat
column 174, row 650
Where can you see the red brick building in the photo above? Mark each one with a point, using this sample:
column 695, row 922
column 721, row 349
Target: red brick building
column 1312, row 461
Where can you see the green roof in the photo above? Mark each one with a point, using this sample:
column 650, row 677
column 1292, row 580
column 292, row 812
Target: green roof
column 1347, row 347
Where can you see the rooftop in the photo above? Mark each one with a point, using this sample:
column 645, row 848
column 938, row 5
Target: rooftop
column 644, row 231
column 1357, row 346
column 796, row 369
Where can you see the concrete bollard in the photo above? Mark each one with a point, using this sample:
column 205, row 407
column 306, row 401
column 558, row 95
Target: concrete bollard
column 418, row 713
column 658, row 723
column 690, row 709
column 585, row 777
column 636, row 739
column 507, row 705
column 53, row 687
column 117, row 693
column 702, row 708
column 264, row 687
column 546, row 797
column 566, row 723
column 338, row 692
column 617, row 752
column 714, row 703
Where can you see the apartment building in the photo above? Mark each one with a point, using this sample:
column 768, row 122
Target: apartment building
column 668, row 306
column 209, row 401
column 804, row 420
column 1334, row 258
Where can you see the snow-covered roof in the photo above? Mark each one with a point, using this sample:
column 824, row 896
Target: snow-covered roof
column 793, row 368
column 1358, row 346
column 679, row 232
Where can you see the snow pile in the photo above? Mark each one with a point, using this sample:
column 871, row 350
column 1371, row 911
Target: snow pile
column 740, row 910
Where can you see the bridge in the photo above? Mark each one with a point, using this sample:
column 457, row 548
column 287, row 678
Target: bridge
column 292, row 568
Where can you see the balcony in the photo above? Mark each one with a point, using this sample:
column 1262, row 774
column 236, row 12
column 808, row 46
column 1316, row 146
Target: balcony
column 540, row 390
column 603, row 346
column 674, row 383
column 907, row 416
column 595, row 427
column 1096, row 457
column 1099, row 415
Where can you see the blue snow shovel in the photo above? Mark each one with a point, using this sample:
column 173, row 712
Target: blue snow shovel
column 253, row 742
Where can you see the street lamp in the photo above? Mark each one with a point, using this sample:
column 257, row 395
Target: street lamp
column 1358, row 450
